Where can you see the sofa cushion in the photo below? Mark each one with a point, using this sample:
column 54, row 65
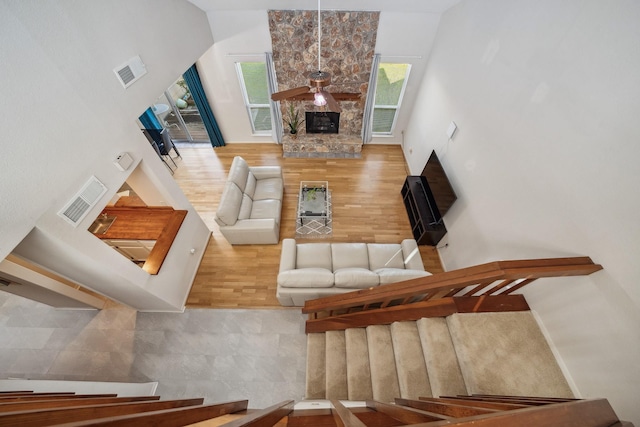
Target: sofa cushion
column 393, row 275
column 268, row 188
column 346, row 255
column 245, row 207
column 230, row 203
column 306, row 278
column 250, row 188
column 239, row 172
column 314, row 255
column 385, row 255
column 264, row 209
column 357, row 278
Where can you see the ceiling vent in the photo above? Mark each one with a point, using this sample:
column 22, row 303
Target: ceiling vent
column 129, row 72
column 78, row 207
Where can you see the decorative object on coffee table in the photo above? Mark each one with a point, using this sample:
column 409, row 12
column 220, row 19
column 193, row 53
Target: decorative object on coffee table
column 314, row 210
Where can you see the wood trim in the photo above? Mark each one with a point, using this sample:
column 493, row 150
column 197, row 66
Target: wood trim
column 484, row 304
column 168, row 417
column 265, row 417
column 37, row 418
column 444, row 408
column 163, row 243
column 474, row 403
column 61, row 403
column 406, row 413
column 480, row 274
column 343, row 417
column 382, row 316
column 505, row 399
column 583, row 413
column 37, row 396
column 440, row 307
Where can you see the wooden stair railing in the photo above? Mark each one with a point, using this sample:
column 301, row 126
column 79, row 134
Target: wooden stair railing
column 485, row 287
column 463, row 411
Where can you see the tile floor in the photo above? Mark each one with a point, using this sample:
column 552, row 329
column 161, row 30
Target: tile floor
column 217, row 354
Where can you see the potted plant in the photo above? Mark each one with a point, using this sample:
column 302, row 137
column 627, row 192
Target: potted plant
column 293, row 120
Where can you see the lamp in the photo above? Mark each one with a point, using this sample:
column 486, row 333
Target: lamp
column 319, row 99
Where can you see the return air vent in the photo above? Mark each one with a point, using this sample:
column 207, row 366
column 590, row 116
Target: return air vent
column 130, row 71
column 78, row 207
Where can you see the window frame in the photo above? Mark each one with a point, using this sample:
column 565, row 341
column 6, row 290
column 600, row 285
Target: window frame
column 248, row 105
column 390, row 107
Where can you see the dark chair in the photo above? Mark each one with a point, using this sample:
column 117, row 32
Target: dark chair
column 156, row 138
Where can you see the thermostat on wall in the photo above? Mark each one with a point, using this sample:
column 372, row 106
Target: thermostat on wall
column 451, row 130
column 123, row 161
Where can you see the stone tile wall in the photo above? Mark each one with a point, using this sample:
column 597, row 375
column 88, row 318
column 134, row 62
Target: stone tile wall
column 348, row 43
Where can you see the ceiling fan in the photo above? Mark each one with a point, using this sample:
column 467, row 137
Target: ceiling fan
column 317, row 82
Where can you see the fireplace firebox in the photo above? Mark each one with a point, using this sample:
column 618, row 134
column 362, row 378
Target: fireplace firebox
column 322, row 122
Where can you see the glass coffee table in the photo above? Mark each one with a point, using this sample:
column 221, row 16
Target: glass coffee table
column 313, row 201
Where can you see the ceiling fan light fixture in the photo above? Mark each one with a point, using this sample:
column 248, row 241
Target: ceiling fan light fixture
column 319, row 99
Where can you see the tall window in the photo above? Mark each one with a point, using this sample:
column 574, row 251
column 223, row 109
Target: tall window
column 253, row 81
column 392, row 80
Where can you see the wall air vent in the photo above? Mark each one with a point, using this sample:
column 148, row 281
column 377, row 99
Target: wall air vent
column 78, row 207
column 130, row 71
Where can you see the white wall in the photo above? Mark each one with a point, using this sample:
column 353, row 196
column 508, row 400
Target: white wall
column 66, row 117
column 406, row 38
column 544, row 163
column 239, row 37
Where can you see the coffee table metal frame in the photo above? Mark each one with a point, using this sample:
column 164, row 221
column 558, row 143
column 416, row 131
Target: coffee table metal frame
column 313, row 201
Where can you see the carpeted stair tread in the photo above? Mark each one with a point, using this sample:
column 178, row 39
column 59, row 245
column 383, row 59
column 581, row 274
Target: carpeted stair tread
column 413, row 379
column 315, row 387
column 506, row 353
column 444, row 371
column 358, row 368
column 384, row 378
column 336, row 365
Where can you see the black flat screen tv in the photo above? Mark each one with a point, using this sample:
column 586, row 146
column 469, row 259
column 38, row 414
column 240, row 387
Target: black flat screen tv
column 439, row 191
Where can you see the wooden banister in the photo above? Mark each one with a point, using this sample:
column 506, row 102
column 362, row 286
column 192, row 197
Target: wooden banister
column 498, row 278
column 52, row 416
column 264, row 417
column 61, row 403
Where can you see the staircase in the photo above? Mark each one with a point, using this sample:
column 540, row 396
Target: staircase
column 465, row 353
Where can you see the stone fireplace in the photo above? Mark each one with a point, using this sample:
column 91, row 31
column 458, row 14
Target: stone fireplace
column 348, row 43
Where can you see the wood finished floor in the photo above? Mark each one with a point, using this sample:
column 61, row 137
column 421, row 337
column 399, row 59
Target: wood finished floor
column 367, row 207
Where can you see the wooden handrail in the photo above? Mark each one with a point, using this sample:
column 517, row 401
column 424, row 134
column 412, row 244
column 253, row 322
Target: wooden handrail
column 498, row 278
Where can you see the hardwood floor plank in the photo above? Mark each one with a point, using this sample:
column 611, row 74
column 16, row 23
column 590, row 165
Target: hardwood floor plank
column 367, row 207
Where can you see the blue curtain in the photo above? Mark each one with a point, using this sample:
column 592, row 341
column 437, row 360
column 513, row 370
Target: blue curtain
column 151, row 124
column 192, row 78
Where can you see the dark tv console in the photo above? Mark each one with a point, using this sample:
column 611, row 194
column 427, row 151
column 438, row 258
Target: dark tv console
column 426, row 230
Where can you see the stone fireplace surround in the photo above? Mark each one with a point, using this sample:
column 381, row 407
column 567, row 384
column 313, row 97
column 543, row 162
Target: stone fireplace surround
column 348, row 43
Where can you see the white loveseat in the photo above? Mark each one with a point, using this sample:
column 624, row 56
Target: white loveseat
column 314, row 270
column 251, row 204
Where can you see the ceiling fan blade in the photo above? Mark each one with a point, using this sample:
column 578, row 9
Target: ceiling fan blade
column 331, row 102
column 279, row 96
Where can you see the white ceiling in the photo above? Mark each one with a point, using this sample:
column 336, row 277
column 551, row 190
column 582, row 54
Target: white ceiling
column 423, row 6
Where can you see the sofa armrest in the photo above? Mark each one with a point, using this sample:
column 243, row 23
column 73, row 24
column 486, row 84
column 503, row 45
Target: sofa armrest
column 411, row 255
column 262, row 172
column 252, row 232
column 288, row 255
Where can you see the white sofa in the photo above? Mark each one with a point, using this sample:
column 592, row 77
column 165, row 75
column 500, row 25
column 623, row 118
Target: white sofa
column 314, row 270
column 251, row 204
